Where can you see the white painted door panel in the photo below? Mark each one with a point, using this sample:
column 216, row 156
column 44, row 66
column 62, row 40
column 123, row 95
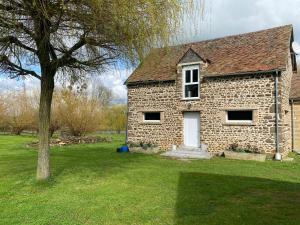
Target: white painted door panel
column 192, row 129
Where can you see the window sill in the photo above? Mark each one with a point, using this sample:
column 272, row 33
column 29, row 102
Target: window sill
column 151, row 123
column 190, row 99
column 238, row 124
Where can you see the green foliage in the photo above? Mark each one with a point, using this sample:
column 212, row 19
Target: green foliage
column 77, row 36
column 143, row 145
column 248, row 149
column 92, row 184
column 115, row 118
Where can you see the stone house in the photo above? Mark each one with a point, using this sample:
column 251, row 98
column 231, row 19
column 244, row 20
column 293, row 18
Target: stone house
column 295, row 111
column 216, row 93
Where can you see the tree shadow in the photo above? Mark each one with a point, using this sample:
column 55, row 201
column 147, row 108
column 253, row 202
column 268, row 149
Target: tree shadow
column 220, row 199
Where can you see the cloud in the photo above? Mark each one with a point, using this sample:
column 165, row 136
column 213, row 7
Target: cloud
column 229, row 17
column 7, row 84
column 114, row 79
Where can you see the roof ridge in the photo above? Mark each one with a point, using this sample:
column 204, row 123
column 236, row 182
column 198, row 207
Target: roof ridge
column 228, row 36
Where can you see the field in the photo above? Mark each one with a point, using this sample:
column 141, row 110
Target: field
column 92, row 184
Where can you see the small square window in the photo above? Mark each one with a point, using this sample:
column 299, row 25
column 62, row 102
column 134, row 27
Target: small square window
column 240, row 116
column 152, row 116
column 188, row 76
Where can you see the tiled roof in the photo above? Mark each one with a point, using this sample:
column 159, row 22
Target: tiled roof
column 264, row 50
column 295, row 89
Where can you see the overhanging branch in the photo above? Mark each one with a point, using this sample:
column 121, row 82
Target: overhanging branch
column 13, row 68
column 16, row 41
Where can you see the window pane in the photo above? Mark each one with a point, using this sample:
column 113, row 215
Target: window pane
column 195, row 75
column 240, row 115
column 152, row 116
column 188, row 76
column 191, row 91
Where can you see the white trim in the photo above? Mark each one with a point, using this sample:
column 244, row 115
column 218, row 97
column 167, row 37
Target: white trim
column 190, row 67
column 151, row 121
column 240, row 121
column 191, row 63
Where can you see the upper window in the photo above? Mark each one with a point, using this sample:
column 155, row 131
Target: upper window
column 240, row 116
column 152, row 116
column 190, row 82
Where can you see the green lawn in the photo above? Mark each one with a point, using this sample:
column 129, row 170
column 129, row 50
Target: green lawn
column 92, row 184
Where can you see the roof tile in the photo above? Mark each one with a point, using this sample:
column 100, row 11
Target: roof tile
column 245, row 53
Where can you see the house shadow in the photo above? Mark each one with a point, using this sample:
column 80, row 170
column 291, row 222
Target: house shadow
column 221, row 199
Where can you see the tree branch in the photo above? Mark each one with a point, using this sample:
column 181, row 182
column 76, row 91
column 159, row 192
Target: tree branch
column 16, row 41
column 16, row 69
column 65, row 59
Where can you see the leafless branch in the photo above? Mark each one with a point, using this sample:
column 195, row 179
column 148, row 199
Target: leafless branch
column 13, row 68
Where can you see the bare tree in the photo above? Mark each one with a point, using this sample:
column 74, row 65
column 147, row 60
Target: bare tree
column 78, row 112
column 3, row 113
column 101, row 93
column 73, row 37
column 20, row 111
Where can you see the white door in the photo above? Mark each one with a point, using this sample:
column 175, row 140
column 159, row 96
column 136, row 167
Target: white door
column 192, row 129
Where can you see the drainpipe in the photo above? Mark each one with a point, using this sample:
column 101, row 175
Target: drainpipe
column 277, row 155
column 293, row 126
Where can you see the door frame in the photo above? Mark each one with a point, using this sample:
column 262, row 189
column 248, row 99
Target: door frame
column 199, row 127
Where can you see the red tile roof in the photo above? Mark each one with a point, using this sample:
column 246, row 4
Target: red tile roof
column 264, row 50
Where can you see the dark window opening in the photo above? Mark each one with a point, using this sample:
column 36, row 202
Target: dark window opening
column 195, row 75
column 240, row 115
column 191, row 91
column 188, row 76
column 152, row 116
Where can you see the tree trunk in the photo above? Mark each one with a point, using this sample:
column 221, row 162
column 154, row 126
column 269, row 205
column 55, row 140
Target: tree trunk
column 43, row 165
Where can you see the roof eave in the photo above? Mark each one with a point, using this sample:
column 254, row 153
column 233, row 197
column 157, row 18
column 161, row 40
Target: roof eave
column 244, row 73
column 148, row 82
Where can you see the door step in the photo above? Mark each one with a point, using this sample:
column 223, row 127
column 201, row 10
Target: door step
column 184, row 152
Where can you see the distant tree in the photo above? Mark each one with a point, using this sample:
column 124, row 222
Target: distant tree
column 78, row 112
column 72, row 37
column 3, row 114
column 117, row 118
column 101, row 93
column 20, row 112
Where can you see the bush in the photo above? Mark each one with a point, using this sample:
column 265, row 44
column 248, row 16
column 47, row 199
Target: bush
column 78, row 113
column 248, row 149
column 143, row 145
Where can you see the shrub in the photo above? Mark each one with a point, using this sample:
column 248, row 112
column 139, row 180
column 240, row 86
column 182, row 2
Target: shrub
column 248, row 149
column 143, row 145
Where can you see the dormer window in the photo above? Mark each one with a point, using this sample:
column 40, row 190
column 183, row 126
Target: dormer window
column 190, row 82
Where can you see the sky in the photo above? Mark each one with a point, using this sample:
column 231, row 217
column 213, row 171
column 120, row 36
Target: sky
column 221, row 18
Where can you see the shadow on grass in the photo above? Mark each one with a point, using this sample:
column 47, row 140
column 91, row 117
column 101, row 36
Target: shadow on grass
column 221, row 199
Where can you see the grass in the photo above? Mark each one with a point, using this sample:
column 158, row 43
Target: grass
column 92, row 184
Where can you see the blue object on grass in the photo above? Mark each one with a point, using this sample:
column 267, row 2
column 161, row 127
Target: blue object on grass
column 123, row 148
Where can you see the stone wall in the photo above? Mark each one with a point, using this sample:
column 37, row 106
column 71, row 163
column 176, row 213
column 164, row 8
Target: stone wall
column 217, row 94
column 285, row 111
column 154, row 98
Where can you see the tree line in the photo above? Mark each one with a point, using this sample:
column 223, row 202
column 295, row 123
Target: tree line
column 74, row 112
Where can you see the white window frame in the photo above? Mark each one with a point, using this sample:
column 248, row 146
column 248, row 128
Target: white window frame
column 191, row 68
column 240, row 121
column 151, row 121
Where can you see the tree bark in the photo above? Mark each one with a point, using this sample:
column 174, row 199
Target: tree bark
column 43, row 164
